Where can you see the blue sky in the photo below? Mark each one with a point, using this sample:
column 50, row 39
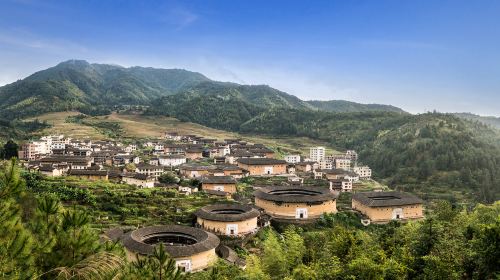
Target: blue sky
column 419, row 55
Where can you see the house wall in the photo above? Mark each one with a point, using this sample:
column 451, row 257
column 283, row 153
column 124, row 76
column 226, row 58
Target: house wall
column 199, row 261
column 229, row 188
column 92, row 177
column 289, row 209
column 244, row 227
column 261, row 169
column 384, row 214
column 194, row 173
column 137, row 182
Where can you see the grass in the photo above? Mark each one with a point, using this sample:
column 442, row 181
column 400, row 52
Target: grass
column 153, row 127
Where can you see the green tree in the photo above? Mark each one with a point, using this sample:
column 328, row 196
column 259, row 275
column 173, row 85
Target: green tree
column 10, row 150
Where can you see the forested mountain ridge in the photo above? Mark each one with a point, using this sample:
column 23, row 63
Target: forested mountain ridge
column 490, row 120
column 79, row 85
column 97, row 88
column 342, row 106
column 428, row 153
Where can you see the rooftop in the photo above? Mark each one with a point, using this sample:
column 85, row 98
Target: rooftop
column 260, row 161
column 381, row 199
column 218, row 180
column 296, row 194
column 179, row 241
column 227, row 212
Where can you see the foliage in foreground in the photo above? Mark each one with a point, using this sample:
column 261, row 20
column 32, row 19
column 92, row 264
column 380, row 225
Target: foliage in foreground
column 42, row 239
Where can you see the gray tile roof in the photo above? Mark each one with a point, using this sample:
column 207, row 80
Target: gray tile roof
column 260, row 161
column 295, row 194
column 227, row 212
column 384, row 199
column 205, row 241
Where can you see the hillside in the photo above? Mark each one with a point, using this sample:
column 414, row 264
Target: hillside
column 490, row 120
column 97, row 89
column 92, row 88
column 342, row 106
column 436, row 154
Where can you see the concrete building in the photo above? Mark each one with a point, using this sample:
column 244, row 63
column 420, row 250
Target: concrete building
column 292, row 158
column 317, row 154
column 364, row 172
column 383, row 207
column 343, row 163
column 171, row 160
column 150, row 170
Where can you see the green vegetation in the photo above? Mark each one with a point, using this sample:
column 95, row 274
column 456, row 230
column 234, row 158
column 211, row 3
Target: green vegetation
column 49, row 228
column 97, row 89
column 341, row 106
column 492, row 121
column 449, row 244
column 436, row 155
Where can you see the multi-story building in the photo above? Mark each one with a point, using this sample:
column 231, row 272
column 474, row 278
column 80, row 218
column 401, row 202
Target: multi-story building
column 292, row 158
column 317, row 154
column 343, row 163
column 364, row 172
column 352, row 154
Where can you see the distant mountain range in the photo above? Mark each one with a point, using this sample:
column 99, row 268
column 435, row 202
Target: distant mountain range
column 95, row 88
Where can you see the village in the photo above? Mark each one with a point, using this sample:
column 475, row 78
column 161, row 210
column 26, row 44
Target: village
column 305, row 188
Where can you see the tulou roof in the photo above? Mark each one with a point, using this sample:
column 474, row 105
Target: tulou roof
column 83, row 172
column 381, row 199
column 227, row 212
column 260, row 161
column 218, row 180
column 204, row 241
column 297, row 194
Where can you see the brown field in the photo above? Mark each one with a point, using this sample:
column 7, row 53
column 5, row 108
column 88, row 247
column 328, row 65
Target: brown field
column 153, row 127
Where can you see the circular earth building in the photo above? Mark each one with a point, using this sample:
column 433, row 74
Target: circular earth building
column 296, row 203
column 228, row 219
column 193, row 249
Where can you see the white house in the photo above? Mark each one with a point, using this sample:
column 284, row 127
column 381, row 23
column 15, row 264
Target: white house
column 364, row 172
column 171, row 160
column 292, row 158
column 317, row 154
column 140, row 180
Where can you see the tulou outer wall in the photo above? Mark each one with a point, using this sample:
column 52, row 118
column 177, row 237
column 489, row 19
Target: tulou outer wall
column 218, row 227
column 385, row 214
column 288, row 210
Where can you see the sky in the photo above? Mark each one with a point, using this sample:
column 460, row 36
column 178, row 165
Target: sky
column 420, row 55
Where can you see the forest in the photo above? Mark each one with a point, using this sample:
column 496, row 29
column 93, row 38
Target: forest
column 44, row 237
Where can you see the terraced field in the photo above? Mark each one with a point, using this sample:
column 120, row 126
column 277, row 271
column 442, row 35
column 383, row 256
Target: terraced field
column 153, row 127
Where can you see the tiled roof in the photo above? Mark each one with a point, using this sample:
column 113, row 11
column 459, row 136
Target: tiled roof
column 381, row 199
column 260, row 161
column 297, row 194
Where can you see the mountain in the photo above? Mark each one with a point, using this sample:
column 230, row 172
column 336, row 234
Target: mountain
column 97, row 88
column 342, row 106
column 79, row 85
column 490, row 120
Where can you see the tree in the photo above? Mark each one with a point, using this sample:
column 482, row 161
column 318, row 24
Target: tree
column 130, row 167
column 168, row 178
column 16, row 242
column 274, row 260
column 10, row 150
